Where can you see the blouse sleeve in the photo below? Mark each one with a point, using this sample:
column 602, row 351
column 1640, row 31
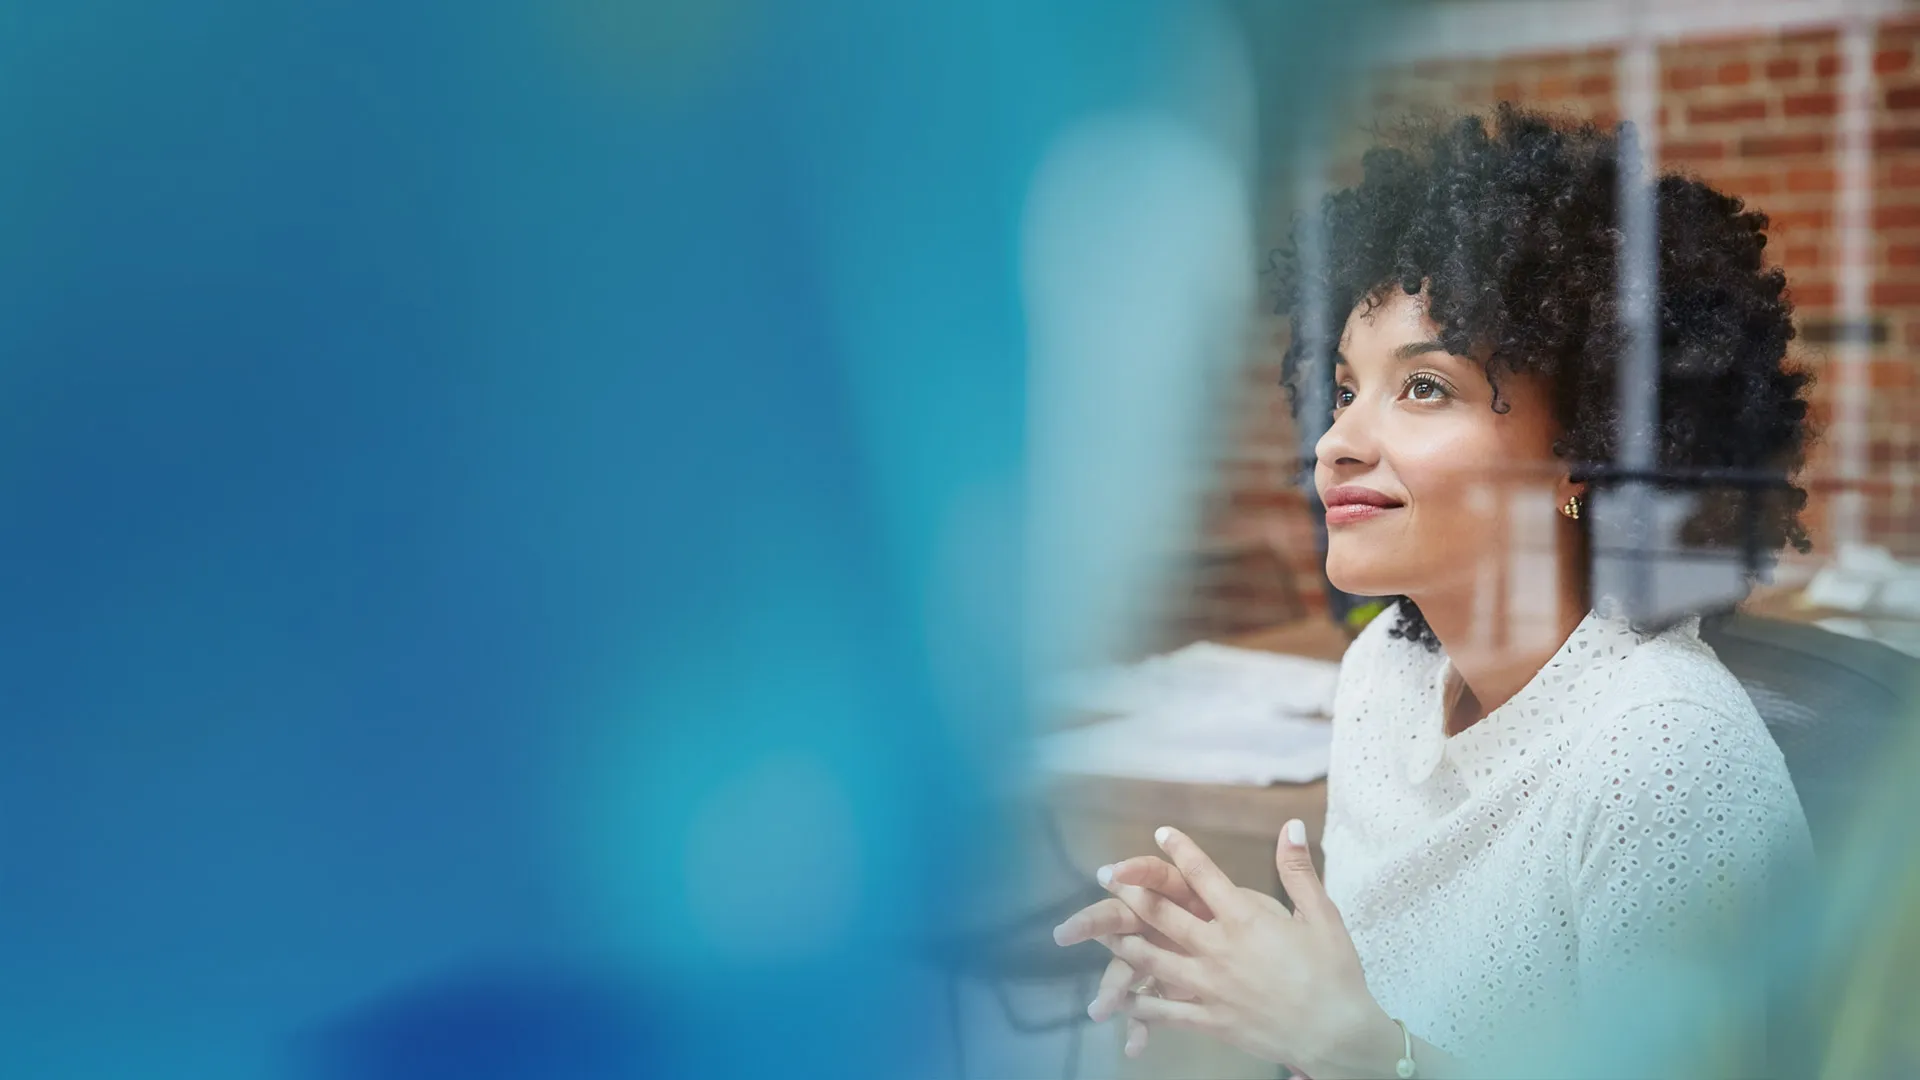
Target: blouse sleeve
column 1691, row 828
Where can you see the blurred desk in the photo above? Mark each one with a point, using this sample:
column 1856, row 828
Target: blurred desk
column 1791, row 605
column 1895, row 628
column 1219, row 808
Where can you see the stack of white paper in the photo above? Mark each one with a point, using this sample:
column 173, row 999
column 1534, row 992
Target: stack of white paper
column 1204, row 714
column 1205, row 675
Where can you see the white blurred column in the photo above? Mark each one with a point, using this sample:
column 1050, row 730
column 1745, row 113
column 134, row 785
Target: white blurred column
column 1137, row 271
column 1852, row 228
column 1626, row 526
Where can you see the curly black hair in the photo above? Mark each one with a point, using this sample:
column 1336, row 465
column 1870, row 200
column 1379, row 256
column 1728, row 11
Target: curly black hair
column 1512, row 225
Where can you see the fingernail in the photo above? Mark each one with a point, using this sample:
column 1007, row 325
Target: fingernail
column 1297, row 832
column 1104, row 874
column 1060, row 934
column 1160, row 835
column 1093, row 1010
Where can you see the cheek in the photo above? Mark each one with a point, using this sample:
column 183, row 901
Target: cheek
column 1447, row 472
column 1470, row 493
column 1458, row 483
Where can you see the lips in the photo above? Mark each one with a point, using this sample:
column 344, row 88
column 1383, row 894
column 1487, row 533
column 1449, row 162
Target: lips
column 1351, row 503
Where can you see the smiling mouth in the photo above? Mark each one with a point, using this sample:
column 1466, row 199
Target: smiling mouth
column 1350, row 513
column 1352, row 503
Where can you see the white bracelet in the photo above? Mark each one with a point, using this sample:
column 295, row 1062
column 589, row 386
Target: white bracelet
column 1405, row 1068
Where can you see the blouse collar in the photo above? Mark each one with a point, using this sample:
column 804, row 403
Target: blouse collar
column 1507, row 737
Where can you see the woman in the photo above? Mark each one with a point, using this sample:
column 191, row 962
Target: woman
column 1541, row 811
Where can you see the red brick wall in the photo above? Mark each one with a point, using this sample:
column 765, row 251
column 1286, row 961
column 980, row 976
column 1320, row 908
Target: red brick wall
column 1753, row 115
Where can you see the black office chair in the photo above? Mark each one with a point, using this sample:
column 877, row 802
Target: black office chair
column 1833, row 704
column 1830, row 702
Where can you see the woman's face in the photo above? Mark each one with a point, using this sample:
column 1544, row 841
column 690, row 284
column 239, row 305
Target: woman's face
column 1427, row 487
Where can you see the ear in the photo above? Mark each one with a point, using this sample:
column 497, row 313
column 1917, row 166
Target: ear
column 1565, row 488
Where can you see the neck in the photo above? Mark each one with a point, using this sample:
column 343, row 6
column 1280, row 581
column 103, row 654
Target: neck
column 1498, row 644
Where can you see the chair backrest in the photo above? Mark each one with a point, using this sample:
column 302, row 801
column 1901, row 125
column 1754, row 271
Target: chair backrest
column 1829, row 700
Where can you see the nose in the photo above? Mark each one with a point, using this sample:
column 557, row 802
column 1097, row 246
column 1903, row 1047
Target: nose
column 1347, row 442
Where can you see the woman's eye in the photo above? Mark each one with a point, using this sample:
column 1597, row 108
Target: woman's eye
column 1342, row 397
column 1425, row 390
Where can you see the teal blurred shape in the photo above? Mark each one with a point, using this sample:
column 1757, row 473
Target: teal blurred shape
column 440, row 456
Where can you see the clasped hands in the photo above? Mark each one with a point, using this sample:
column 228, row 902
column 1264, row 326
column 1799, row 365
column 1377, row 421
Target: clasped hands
column 1232, row 962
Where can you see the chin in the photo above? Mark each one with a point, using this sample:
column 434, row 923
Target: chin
column 1360, row 576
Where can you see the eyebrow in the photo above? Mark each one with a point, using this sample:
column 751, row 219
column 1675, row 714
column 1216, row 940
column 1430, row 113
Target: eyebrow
column 1405, row 352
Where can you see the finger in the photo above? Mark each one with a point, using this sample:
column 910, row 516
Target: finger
column 1168, row 990
column 1109, row 916
column 1206, row 879
column 1297, row 876
column 1153, row 872
column 1175, row 923
column 1114, row 984
column 1182, row 973
column 1158, row 1011
column 1136, row 1036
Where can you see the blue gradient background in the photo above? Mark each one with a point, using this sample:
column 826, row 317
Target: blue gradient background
column 471, row 480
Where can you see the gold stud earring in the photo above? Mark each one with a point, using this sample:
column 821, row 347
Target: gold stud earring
column 1572, row 508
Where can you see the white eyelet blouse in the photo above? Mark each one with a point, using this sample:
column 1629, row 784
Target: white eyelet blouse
column 1497, row 880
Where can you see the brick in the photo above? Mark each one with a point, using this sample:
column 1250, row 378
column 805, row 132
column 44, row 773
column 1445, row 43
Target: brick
column 1801, row 256
column 1812, row 36
column 1823, row 103
column 1265, row 500
column 1811, row 180
column 1903, row 255
column 1687, row 78
column 1896, row 293
column 1726, row 112
column 1781, row 68
column 1896, row 216
column 1733, row 73
column 1555, row 86
column 1600, row 85
column 1900, row 27
column 1890, row 60
column 1746, row 185
column 1904, row 174
column 1881, row 523
column 1892, row 375
column 1827, row 66
column 1814, row 217
column 1895, row 375
column 1811, row 294
column 1693, row 150
column 1903, row 97
column 1507, row 91
column 1896, row 139
column 1782, row 145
